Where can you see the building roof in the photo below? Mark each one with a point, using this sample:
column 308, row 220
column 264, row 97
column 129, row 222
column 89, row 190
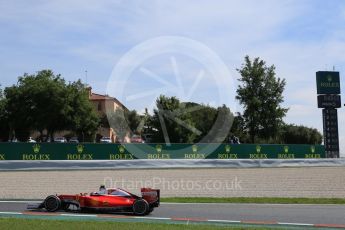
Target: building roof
column 100, row 97
column 95, row 96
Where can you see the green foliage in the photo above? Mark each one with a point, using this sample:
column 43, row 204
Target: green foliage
column 55, row 223
column 189, row 122
column 288, row 134
column 123, row 122
column 261, row 93
column 118, row 121
column 135, row 122
column 37, row 102
column 4, row 128
column 239, row 129
column 44, row 101
column 298, row 134
column 203, row 117
column 81, row 114
column 165, row 119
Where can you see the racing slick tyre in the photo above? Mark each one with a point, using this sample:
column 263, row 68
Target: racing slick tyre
column 150, row 210
column 141, row 207
column 52, row 203
column 65, row 207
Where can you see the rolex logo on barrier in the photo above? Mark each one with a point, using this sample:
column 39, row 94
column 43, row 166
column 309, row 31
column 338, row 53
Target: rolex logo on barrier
column 36, row 148
column 286, row 154
column 195, row 154
column 121, row 148
column 121, row 154
column 158, row 154
column 195, row 148
column 37, row 155
column 286, row 149
column 258, row 154
column 159, row 148
column 80, row 155
column 227, row 148
column 312, row 153
column 80, row 149
column 227, row 154
column 329, row 78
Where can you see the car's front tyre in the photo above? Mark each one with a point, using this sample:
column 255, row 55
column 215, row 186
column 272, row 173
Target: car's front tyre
column 52, row 203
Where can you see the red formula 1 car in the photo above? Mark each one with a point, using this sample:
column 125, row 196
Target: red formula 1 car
column 105, row 200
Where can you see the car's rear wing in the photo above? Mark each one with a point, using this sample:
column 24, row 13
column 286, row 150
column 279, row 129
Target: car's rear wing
column 152, row 196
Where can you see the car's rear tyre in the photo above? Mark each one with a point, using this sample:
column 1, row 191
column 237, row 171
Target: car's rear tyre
column 52, row 203
column 150, row 210
column 141, row 207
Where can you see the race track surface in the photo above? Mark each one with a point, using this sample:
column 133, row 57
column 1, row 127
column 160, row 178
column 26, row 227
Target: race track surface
column 332, row 215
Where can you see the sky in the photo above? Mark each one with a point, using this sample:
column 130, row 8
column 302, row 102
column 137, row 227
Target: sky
column 299, row 37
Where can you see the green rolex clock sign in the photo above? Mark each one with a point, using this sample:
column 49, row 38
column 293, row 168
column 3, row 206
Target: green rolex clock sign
column 328, row 82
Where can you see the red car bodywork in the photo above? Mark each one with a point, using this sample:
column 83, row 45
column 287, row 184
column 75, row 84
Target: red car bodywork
column 112, row 200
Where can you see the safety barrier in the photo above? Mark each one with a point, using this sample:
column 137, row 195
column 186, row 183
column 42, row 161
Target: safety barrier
column 64, row 151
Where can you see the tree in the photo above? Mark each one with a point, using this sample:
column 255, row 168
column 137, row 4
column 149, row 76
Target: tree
column 202, row 117
column 44, row 101
column 189, row 122
column 135, row 121
column 239, row 129
column 38, row 102
column 118, row 121
column 261, row 95
column 298, row 134
column 4, row 128
column 81, row 115
column 171, row 122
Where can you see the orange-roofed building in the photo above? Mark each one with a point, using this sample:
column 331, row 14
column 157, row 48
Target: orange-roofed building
column 104, row 104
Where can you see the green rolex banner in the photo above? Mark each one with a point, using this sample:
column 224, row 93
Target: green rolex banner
column 56, row 151
column 327, row 82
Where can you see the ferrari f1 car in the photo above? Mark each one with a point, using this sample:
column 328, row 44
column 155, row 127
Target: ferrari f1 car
column 105, row 200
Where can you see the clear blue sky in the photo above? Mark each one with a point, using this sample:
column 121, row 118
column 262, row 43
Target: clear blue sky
column 299, row 37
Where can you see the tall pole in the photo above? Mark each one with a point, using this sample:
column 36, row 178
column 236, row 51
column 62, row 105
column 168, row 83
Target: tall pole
column 86, row 77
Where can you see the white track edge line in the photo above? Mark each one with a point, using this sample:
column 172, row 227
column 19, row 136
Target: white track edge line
column 296, row 224
column 253, row 204
column 152, row 218
column 78, row 215
column 11, row 213
column 225, row 221
column 20, row 201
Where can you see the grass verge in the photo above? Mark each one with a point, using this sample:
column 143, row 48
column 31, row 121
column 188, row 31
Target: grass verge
column 256, row 200
column 38, row 224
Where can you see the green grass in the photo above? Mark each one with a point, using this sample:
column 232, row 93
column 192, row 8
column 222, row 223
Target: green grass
column 37, row 224
column 256, row 200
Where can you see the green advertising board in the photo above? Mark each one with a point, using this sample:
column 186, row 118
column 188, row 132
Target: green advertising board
column 55, row 151
column 327, row 82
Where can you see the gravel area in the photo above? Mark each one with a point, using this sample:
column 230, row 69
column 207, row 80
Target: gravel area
column 249, row 182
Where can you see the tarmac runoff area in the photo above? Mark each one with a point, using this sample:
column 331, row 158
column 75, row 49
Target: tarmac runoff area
column 327, row 182
column 277, row 216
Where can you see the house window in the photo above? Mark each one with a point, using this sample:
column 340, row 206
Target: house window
column 99, row 106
